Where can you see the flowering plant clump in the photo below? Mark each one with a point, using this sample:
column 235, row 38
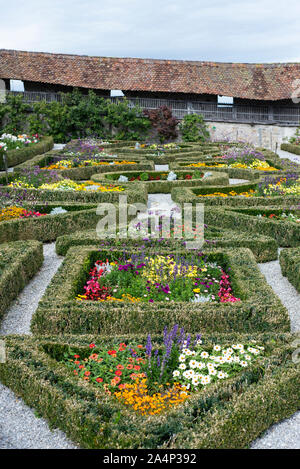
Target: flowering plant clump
column 10, row 213
column 161, row 278
column 33, row 178
column 283, row 185
column 245, row 155
column 281, row 217
column 87, row 147
column 250, row 193
column 256, row 164
column 157, row 176
column 37, row 178
column 152, row 380
column 81, row 163
column 15, row 142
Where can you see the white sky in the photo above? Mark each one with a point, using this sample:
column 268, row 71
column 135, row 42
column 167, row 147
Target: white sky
column 213, row 30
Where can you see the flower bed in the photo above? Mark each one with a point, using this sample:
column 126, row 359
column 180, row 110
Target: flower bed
column 17, row 156
column 290, row 265
column 81, row 172
column 19, row 262
column 93, row 418
column 161, row 278
column 162, row 181
column 60, row 313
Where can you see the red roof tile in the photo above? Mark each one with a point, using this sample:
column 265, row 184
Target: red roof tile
column 250, row 81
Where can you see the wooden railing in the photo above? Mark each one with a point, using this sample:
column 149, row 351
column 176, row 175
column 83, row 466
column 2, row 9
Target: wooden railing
column 261, row 114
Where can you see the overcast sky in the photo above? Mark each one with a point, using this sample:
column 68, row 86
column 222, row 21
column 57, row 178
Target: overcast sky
column 213, row 30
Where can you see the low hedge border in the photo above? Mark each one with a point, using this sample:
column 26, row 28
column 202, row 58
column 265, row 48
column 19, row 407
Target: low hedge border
column 290, row 266
column 291, row 148
column 48, row 228
column 15, row 157
column 134, row 193
column 19, row 262
column 190, row 195
column 287, row 234
column 163, row 187
column 60, row 313
column 223, row 415
column 264, row 248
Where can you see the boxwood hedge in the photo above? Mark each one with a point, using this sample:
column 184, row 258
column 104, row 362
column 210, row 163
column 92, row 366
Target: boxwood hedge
column 264, row 248
column 241, row 219
column 222, row 415
column 60, row 313
column 290, row 265
column 291, row 148
column 19, row 262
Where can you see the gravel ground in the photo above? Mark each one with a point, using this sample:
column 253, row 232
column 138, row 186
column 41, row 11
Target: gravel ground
column 290, row 156
column 284, row 435
column 18, row 317
column 288, row 295
column 237, row 181
column 161, row 167
column 21, row 429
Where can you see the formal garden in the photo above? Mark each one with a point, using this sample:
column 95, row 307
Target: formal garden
column 135, row 340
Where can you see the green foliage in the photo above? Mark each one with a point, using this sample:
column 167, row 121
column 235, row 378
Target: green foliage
column 14, row 111
column 130, row 122
column 193, row 128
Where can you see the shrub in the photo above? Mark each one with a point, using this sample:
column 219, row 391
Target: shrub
column 193, row 128
column 163, row 122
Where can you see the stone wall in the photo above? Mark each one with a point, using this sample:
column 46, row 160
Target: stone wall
column 259, row 135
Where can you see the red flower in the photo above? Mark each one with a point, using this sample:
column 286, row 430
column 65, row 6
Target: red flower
column 92, row 345
column 112, row 352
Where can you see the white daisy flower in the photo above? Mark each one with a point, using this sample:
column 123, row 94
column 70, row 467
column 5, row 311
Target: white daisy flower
column 217, row 348
column 182, row 366
column 182, row 358
column 176, row 373
column 204, row 355
column 193, row 363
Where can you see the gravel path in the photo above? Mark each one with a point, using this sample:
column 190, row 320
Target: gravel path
column 237, row 181
column 18, row 317
column 21, row 429
column 284, row 435
column 288, row 295
column 19, row 426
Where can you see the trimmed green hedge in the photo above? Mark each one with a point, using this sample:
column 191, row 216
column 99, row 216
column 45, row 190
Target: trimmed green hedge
column 291, row 148
column 264, row 248
column 161, row 187
column 286, row 233
column 135, row 193
column 60, row 313
column 15, row 157
column 19, row 262
column 290, row 265
column 223, row 415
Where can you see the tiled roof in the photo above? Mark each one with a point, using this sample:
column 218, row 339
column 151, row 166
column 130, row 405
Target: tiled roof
column 250, row 81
